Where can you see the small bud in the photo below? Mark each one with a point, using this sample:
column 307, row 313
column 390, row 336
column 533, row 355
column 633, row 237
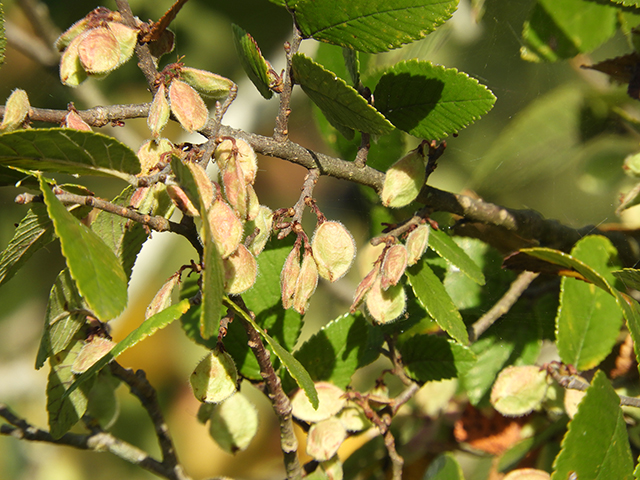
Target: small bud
column 417, row 243
column 73, row 120
column 159, row 112
column 519, row 390
column 306, row 284
column 404, row 180
column 215, row 378
column 126, row 37
column 151, row 153
column 333, row 249
column 207, row 83
column 330, row 401
column 226, row 227
column 228, row 148
column 393, row 266
column 71, row 72
column 181, row 201
column 234, row 423
column 325, row 438
column 263, row 222
column 162, row 299
column 90, row 353
column 98, row 51
column 289, row 276
column 235, row 188
column 187, row 106
column 253, row 204
column 16, row 110
column 363, row 287
column 240, row 271
column 385, row 305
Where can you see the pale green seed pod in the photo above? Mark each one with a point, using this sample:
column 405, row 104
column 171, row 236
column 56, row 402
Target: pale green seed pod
column 98, row 51
column 404, row 180
column 203, row 183
column 363, row 287
column 162, row 299
column 234, row 423
column 226, row 227
column 334, row 250
column 519, row 390
column 417, row 243
column 127, row 39
column 631, row 165
column 152, row 152
column 289, row 276
column 72, row 73
column 263, row 222
column 73, row 120
column 385, row 306
column 306, row 284
column 187, row 106
column 159, row 112
column 253, row 204
column 353, row 418
column 393, row 266
column 238, row 148
column 215, row 378
column 16, row 110
column 90, row 353
column 331, row 399
column 72, row 32
column 324, row 439
column 528, row 474
column 240, row 271
column 207, row 83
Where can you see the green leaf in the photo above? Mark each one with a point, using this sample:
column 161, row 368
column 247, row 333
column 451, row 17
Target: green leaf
column 185, row 179
column 293, row 366
column 371, row 26
column 434, row 298
column 64, row 406
column 589, row 319
column 252, row 61
column 630, row 277
column 560, row 29
column 444, row 467
column 150, row 326
column 340, row 103
column 428, row 358
column 70, row 151
column 33, row 232
column 596, row 444
column 628, row 3
column 443, row 245
column 66, row 314
column 430, row 101
column 95, row 269
column 340, row 348
column 17, row 177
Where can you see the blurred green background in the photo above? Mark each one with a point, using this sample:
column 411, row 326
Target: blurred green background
column 555, row 142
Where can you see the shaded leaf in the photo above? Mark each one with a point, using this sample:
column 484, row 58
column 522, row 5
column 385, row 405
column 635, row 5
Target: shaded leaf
column 340, row 348
column 428, row 358
column 371, row 26
column 596, row 444
column 340, row 103
column 97, row 272
column 14, row 177
column 628, row 3
column 70, row 151
column 430, row 101
column 630, row 277
column 443, row 245
column 444, row 467
column 252, row 61
column 434, row 298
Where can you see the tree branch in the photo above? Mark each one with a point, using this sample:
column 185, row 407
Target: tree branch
column 281, row 131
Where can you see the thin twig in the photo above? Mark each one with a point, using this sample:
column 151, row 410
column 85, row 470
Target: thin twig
column 99, row 442
column 363, row 151
column 503, row 305
column 31, row 46
column 281, row 131
column 306, row 192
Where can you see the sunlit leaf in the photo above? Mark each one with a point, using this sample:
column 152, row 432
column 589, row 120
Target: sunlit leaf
column 252, row 61
column 428, row 358
column 444, row 246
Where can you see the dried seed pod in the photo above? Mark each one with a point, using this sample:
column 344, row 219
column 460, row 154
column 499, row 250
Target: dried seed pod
column 306, row 284
column 16, row 110
column 187, row 106
column 226, row 227
column 151, row 153
column 363, row 287
column 289, row 276
column 519, row 390
column 228, row 149
column 98, row 51
column 385, row 305
column 181, row 200
column 331, row 400
column 207, row 83
column 73, row 120
column 325, row 438
column 71, row 72
column 333, row 249
column 215, row 378
column 263, row 222
column 235, row 188
column 240, row 271
column 404, row 180
column 417, row 243
column 393, row 265
column 234, row 423
column 159, row 112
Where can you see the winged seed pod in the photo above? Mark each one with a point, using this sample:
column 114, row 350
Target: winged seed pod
column 393, row 265
column 203, row 183
column 263, row 222
column 187, row 106
column 519, row 390
column 306, row 284
column 364, row 286
column 207, row 83
column 240, row 271
column 127, row 38
column 16, row 110
column 417, row 243
column 404, row 180
column 235, row 188
column 180, row 199
column 226, row 227
column 331, row 400
column 234, row 423
column 333, row 250
column 159, row 112
column 289, row 276
column 215, row 378
column 98, row 51
column 71, row 72
column 229, row 148
column 73, row 120
column 253, row 204
column 324, row 439
column 385, row 305
column 151, row 153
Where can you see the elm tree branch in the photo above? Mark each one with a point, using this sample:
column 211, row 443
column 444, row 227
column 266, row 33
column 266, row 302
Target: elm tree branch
column 281, row 131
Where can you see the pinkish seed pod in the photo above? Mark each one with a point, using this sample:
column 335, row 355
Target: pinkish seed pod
column 71, row 72
column 207, row 83
column 73, row 120
column 306, row 284
column 417, row 243
column 98, row 51
column 263, row 222
column 289, row 276
column 16, row 110
column 126, row 37
column 162, row 299
column 203, row 183
column 404, row 180
column 363, row 287
column 333, row 249
column 325, row 438
column 228, row 148
column 393, row 266
column 226, row 227
column 159, row 112
column 253, row 204
column 240, row 271
column 234, row 187
column 181, row 200
column 151, row 153
column 187, row 106
column 385, row 305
